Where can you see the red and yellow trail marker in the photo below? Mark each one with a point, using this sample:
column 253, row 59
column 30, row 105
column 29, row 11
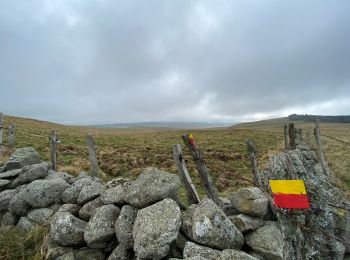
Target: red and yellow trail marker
column 191, row 139
column 289, row 194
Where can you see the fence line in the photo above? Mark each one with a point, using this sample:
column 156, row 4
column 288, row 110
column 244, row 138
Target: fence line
column 336, row 139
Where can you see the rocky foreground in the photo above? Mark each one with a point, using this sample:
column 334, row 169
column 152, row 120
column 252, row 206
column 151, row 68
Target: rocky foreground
column 142, row 219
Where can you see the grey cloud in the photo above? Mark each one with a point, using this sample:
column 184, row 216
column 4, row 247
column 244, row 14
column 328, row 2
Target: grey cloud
column 121, row 61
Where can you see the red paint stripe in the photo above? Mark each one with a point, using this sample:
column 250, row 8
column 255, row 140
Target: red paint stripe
column 291, row 201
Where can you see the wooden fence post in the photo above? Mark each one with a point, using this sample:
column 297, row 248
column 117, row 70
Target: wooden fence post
column 1, row 126
column 192, row 195
column 292, row 136
column 286, row 137
column 299, row 134
column 92, row 156
column 202, row 169
column 252, row 155
column 11, row 135
column 320, row 147
column 53, row 142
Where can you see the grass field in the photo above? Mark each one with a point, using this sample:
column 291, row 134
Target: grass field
column 125, row 152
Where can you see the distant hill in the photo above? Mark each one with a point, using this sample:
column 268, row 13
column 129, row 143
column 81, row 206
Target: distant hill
column 178, row 125
column 328, row 119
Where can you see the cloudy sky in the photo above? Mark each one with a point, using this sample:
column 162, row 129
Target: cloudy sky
column 92, row 62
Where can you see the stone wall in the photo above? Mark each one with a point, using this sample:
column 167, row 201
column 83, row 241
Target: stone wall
column 144, row 218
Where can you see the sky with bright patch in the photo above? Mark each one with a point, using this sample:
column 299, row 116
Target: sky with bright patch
column 111, row 61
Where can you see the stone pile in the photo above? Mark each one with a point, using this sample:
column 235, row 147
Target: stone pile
column 142, row 218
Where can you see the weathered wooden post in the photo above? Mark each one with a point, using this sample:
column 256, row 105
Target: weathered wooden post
column 286, row 137
column 320, row 147
column 292, row 136
column 191, row 192
column 53, row 142
column 92, row 156
column 299, row 134
column 11, row 135
column 252, row 155
column 1, row 126
column 202, row 169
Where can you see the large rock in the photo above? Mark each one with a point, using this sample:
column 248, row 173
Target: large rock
column 9, row 219
column 121, row 253
column 229, row 254
column 151, row 186
column 89, row 254
column 4, row 184
column 22, row 157
column 43, row 193
column 186, row 224
column 71, row 208
column 325, row 220
column 267, row 241
column 124, row 225
column 25, row 224
column 90, row 192
column 18, row 204
column 70, row 195
column 88, row 209
column 31, row 173
column 100, row 227
column 40, row 216
column 246, row 223
column 62, row 175
column 212, row 228
column 250, row 201
column 156, row 229
column 66, row 229
column 2, row 168
column 10, row 174
column 5, row 198
column 192, row 249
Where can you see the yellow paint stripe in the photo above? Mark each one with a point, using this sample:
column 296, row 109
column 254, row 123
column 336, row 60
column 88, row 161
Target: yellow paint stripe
column 287, row 186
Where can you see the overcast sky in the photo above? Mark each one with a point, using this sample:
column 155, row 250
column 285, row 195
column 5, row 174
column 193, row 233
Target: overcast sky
column 92, row 62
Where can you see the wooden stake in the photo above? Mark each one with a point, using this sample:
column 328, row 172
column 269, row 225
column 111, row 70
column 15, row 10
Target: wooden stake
column 252, row 155
column 92, row 156
column 11, row 135
column 320, row 147
column 53, row 142
column 299, row 134
column 292, row 136
column 192, row 195
column 202, row 170
column 286, row 137
column 1, row 126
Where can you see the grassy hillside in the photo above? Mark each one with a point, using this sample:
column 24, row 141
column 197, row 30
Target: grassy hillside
column 124, row 152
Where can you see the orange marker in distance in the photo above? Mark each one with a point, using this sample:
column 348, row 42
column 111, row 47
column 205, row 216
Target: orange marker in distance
column 191, row 139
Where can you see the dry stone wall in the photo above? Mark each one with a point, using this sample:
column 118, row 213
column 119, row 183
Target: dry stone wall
column 142, row 219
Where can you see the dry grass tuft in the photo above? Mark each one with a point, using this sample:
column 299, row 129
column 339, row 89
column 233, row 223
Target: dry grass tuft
column 16, row 244
column 72, row 170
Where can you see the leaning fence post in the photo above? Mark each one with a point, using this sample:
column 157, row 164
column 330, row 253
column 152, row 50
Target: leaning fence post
column 292, row 136
column 92, row 155
column 192, row 195
column 53, row 142
column 286, row 137
column 11, row 135
column 320, row 147
column 202, row 169
column 1, row 126
column 254, row 164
